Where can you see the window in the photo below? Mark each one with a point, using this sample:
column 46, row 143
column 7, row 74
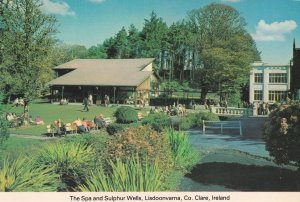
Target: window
column 277, row 96
column 258, row 78
column 278, row 78
column 258, row 95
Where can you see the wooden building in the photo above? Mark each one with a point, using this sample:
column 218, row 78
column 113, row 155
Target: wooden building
column 123, row 80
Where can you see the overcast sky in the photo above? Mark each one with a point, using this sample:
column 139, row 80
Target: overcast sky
column 272, row 23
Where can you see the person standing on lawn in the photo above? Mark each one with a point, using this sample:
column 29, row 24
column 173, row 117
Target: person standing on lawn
column 85, row 103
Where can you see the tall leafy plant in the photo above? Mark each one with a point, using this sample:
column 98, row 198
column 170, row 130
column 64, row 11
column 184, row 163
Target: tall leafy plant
column 71, row 161
column 184, row 154
column 131, row 175
column 23, row 175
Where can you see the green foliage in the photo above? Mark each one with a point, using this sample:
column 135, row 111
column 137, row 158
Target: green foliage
column 22, row 175
column 225, row 47
column 126, row 114
column 26, row 44
column 72, row 161
column 114, row 128
column 4, row 126
column 143, row 141
column 129, row 176
column 184, row 155
column 196, row 119
column 281, row 133
column 117, row 127
column 157, row 121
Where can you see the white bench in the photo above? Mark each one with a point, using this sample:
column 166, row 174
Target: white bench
column 222, row 125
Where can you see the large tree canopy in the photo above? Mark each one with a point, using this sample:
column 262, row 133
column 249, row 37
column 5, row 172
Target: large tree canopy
column 26, row 42
column 225, row 47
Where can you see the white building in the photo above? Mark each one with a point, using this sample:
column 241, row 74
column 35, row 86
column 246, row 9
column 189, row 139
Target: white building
column 269, row 83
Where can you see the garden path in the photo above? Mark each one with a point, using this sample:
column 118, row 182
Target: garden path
column 233, row 163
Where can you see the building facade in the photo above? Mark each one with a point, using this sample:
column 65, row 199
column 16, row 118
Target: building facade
column 122, row 80
column 295, row 72
column 269, row 83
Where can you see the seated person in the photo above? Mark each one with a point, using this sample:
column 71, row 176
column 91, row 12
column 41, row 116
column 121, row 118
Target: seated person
column 80, row 125
column 39, row 121
column 88, row 124
column 9, row 117
column 16, row 102
column 21, row 102
column 99, row 121
column 58, row 125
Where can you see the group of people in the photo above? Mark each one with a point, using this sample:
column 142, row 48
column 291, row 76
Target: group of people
column 19, row 102
column 171, row 110
column 261, row 107
column 16, row 121
column 82, row 126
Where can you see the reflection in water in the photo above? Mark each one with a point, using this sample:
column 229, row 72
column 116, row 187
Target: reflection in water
column 246, row 177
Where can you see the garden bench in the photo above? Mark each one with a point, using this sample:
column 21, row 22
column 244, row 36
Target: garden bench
column 222, row 125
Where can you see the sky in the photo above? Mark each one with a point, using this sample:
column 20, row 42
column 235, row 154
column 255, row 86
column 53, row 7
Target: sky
column 273, row 24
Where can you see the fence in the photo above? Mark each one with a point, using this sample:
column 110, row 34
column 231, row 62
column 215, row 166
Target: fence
column 222, row 125
column 232, row 111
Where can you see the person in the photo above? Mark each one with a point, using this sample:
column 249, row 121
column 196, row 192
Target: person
column 85, row 125
column 16, row 102
column 58, row 125
column 79, row 125
column 85, row 103
column 90, row 99
column 21, row 101
column 39, row 121
column 99, row 121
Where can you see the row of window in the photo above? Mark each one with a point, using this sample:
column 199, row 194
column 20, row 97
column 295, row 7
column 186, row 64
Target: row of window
column 274, row 95
column 273, row 78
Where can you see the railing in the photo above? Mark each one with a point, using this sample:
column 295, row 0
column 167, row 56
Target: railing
column 232, row 111
column 222, row 125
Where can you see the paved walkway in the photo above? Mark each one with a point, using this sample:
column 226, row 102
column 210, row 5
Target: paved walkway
column 226, row 148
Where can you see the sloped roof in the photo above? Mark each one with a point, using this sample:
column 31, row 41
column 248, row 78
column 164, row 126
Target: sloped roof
column 104, row 72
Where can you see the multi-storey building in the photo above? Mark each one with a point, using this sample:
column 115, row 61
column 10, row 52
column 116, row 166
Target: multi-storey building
column 269, row 83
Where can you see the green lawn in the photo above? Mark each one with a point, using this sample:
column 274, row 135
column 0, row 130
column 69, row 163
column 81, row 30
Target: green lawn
column 50, row 112
column 16, row 146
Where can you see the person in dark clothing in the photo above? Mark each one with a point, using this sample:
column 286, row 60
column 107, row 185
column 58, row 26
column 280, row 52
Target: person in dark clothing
column 85, row 103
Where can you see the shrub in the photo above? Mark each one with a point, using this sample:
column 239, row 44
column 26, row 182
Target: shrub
column 126, row 115
column 184, row 155
column 117, row 127
column 157, row 121
column 282, row 134
column 72, row 161
column 129, row 176
column 208, row 116
column 195, row 119
column 145, row 142
column 22, row 175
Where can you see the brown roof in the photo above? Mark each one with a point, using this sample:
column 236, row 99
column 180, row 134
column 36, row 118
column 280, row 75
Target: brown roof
column 104, row 72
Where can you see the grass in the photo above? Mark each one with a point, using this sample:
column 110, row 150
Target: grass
column 50, row 112
column 16, row 146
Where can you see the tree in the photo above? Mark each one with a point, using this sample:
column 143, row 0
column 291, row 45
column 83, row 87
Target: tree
column 134, row 42
column 225, row 48
column 96, row 52
column 26, row 43
column 154, row 36
column 4, row 130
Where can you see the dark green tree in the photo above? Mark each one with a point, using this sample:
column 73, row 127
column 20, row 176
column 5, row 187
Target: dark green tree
column 96, row 52
column 134, row 42
column 225, row 47
column 154, row 36
column 26, row 43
